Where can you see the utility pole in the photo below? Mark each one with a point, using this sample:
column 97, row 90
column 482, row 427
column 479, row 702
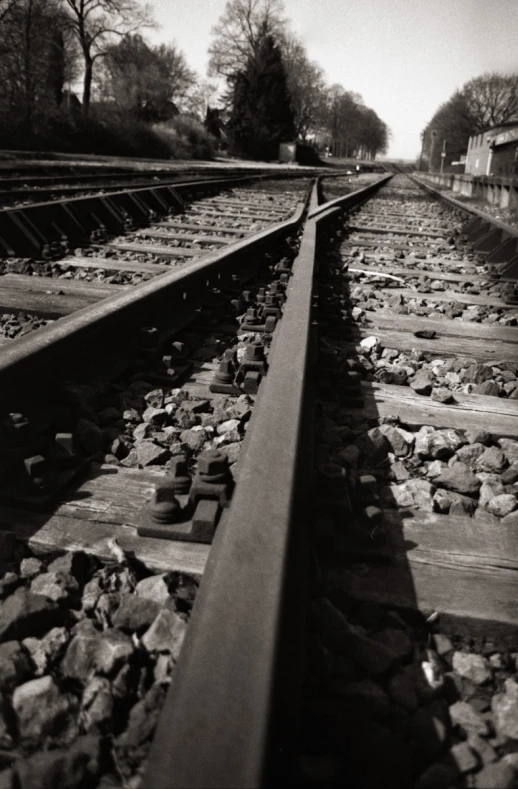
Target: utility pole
column 443, row 154
column 432, row 146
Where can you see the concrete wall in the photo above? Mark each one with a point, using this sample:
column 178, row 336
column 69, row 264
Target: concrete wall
column 498, row 191
column 500, row 160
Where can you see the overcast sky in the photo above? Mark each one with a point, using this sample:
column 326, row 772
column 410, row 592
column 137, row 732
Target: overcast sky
column 405, row 57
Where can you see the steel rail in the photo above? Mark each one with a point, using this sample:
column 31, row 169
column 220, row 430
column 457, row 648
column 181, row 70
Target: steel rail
column 490, row 237
column 469, row 209
column 230, row 718
column 26, row 230
column 90, row 341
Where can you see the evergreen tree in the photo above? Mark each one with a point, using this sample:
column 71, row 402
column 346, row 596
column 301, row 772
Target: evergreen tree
column 262, row 116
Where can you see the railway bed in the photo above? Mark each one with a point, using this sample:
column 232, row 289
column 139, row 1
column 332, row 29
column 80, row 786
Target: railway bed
column 400, row 561
column 42, row 290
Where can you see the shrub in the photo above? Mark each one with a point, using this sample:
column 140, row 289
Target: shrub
column 187, row 138
column 110, row 133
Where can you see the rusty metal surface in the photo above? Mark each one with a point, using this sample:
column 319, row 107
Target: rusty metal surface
column 230, row 718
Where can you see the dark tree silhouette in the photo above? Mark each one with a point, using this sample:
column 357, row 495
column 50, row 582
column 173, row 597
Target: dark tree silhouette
column 262, row 116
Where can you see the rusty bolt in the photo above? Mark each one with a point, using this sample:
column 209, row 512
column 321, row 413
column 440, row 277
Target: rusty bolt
column 225, row 373
column 260, row 295
column 230, row 354
column 255, row 351
column 35, row 467
column 332, row 477
column 251, row 315
column 212, row 463
column 164, row 506
column 66, row 442
column 178, row 474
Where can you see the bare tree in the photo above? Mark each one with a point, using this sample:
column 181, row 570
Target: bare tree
column 95, row 23
column 240, row 31
column 145, row 80
column 306, row 85
column 492, row 99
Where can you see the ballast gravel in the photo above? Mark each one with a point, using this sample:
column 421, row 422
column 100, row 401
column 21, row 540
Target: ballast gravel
column 87, row 652
column 391, row 699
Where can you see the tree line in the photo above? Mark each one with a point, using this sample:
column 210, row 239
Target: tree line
column 485, row 101
column 274, row 92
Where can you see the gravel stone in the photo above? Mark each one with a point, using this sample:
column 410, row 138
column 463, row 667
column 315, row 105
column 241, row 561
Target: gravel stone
column 510, row 475
column 489, row 491
column 45, row 652
column 502, row 505
column 491, row 460
column 79, row 661
column 42, row 711
column 155, row 416
column 142, row 431
column 485, row 751
column 15, row 666
column 472, row 666
column 458, row 478
column 26, row 614
column 423, row 382
column 495, row 776
column 91, row 594
column 142, row 720
column 468, row 719
column 74, row 768
column 464, row 758
column 97, row 705
column 505, row 710
column 442, row 395
column 166, row 634
column 57, row 586
column 412, row 493
column 153, row 588
column 469, row 454
column 135, row 613
column 151, row 454
column 194, row 438
column 488, row 388
column 74, row 563
column 437, row 444
column 401, row 441
column 114, row 649
column 30, row 567
column 510, row 449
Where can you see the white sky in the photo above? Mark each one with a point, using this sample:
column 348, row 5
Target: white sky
column 405, row 57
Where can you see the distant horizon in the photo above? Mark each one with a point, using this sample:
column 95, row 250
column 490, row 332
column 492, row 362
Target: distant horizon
column 405, row 58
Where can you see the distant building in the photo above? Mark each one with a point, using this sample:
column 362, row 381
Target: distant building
column 494, row 151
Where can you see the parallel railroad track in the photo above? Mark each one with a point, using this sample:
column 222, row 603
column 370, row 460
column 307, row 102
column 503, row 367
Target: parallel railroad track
column 36, row 290
column 334, row 415
column 27, row 189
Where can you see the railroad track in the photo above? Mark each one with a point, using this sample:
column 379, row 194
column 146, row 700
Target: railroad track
column 292, row 378
column 37, row 290
column 25, row 189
